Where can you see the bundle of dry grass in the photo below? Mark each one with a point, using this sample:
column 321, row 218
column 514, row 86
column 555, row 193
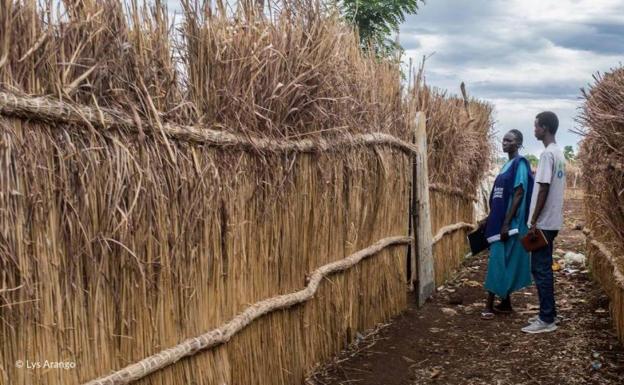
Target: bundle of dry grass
column 308, row 74
column 459, row 138
column 602, row 155
column 119, row 240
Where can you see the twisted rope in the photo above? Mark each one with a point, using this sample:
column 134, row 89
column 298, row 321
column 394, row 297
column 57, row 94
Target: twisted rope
column 225, row 332
column 450, row 229
column 438, row 187
column 55, row 111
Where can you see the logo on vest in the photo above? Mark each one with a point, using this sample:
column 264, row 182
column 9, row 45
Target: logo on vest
column 498, row 193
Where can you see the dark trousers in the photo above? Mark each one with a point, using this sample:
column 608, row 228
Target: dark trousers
column 541, row 267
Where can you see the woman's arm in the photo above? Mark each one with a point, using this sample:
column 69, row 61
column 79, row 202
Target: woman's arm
column 515, row 204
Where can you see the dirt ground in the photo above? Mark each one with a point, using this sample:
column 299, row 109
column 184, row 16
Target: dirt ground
column 445, row 342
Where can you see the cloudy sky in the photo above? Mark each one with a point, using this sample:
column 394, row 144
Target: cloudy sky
column 523, row 56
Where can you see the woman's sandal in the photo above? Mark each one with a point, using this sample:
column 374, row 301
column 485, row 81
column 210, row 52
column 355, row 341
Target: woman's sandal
column 487, row 315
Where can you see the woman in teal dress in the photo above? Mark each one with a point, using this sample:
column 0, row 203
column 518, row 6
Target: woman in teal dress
column 509, row 267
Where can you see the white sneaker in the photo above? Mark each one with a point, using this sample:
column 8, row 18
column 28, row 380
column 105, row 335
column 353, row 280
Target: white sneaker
column 535, row 317
column 540, row 326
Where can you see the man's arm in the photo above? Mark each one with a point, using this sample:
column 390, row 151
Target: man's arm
column 543, row 177
column 539, row 204
column 515, row 204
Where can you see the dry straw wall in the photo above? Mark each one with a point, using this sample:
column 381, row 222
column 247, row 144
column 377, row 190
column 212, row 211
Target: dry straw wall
column 602, row 157
column 448, row 209
column 106, row 288
column 126, row 229
column 121, row 238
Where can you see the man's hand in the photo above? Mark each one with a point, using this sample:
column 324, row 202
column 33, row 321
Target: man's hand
column 504, row 234
column 532, row 231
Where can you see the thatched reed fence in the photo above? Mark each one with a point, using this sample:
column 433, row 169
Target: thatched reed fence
column 452, row 218
column 602, row 160
column 226, row 206
column 130, row 288
column 607, row 270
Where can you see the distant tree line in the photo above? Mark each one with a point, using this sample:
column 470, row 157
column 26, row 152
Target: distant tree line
column 568, row 153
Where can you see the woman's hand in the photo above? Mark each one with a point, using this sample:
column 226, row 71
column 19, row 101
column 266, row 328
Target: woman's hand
column 504, row 234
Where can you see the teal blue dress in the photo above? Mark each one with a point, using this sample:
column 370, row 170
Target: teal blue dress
column 509, row 266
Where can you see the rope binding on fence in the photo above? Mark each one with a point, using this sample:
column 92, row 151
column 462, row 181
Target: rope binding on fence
column 225, row 332
column 49, row 110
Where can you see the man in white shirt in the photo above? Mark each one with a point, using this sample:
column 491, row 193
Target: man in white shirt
column 546, row 214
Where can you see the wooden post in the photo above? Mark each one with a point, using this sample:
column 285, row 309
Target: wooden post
column 413, row 220
column 423, row 278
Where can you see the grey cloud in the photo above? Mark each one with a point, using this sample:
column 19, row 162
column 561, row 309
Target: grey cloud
column 526, row 91
column 599, row 38
column 411, row 42
column 479, row 34
column 477, row 50
column 482, row 34
column 490, row 49
column 453, row 16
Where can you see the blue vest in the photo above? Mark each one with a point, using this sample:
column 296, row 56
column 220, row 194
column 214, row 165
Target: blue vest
column 500, row 197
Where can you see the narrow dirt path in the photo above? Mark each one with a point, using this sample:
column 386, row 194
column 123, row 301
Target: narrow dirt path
column 446, row 342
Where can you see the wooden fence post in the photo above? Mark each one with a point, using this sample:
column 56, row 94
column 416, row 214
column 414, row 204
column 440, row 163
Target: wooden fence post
column 422, row 252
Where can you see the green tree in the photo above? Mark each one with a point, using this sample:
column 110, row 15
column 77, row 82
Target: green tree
column 376, row 20
column 568, row 153
column 532, row 160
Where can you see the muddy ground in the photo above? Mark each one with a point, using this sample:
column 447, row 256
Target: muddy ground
column 446, row 342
